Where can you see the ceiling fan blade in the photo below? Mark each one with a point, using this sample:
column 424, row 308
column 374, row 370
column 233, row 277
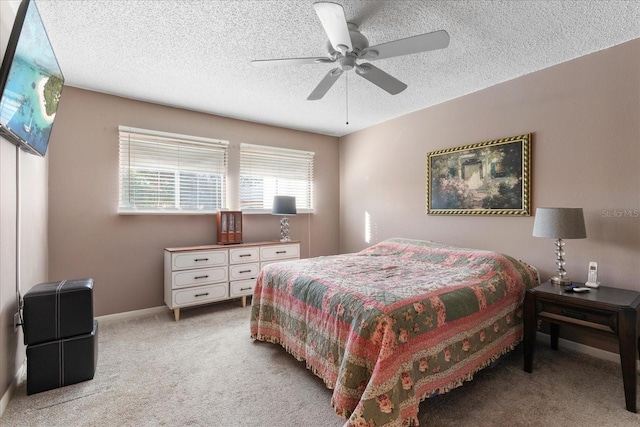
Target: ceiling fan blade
column 381, row 79
column 292, row 61
column 415, row 44
column 325, row 84
column 335, row 25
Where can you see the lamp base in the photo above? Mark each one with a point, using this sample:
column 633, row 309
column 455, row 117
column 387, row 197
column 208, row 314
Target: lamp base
column 284, row 229
column 560, row 281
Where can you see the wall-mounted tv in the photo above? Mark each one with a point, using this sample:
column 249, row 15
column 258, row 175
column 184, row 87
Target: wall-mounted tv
column 31, row 83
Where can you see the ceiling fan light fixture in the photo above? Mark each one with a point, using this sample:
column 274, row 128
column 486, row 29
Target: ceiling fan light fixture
column 347, row 62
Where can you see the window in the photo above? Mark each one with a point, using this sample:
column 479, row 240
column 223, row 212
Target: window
column 170, row 173
column 269, row 171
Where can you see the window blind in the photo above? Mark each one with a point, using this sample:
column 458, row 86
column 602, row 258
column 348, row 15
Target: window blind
column 269, row 171
column 171, row 173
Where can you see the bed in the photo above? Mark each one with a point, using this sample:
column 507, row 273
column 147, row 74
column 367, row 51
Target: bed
column 393, row 324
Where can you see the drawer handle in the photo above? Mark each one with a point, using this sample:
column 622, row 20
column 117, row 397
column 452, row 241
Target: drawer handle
column 201, row 259
column 245, row 271
column 244, row 255
column 281, row 252
column 580, row 316
column 201, row 277
column 202, row 295
column 245, row 289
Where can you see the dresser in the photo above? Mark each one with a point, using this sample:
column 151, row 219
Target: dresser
column 202, row 274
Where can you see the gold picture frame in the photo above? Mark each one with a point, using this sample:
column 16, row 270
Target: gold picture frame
column 486, row 178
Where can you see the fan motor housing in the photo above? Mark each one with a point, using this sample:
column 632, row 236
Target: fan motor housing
column 347, row 62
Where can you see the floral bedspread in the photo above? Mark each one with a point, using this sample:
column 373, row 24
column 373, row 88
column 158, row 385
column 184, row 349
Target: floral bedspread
column 393, row 324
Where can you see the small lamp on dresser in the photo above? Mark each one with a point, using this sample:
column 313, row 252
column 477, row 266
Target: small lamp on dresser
column 285, row 206
column 559, row 223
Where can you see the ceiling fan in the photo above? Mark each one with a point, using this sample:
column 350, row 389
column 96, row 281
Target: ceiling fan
column 347, row 45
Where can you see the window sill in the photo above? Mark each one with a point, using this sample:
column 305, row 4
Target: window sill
column 163, row 212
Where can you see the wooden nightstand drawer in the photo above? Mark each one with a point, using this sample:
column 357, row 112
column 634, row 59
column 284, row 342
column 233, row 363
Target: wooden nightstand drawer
column 606, row 321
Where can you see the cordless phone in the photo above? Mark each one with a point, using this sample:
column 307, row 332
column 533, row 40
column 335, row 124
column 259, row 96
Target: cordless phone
column 592, row 278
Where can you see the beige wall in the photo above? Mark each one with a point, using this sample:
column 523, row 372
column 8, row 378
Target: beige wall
column 28, row 173
column 585, row 119
column 124, row 254
column 32, row 200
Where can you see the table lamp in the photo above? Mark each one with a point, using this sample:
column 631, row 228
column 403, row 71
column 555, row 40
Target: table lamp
column 559, row 223
column 285, row 206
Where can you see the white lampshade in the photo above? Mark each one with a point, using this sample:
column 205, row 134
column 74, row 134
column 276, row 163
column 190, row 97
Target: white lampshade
column 559, row 223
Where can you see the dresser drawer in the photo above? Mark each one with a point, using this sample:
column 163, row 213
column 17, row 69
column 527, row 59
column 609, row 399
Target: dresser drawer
column 240, row 255
column 201, row 276
column 197, row 259
column 276, row 252
column 243, row 271
column 241, row 288
column 200, row 295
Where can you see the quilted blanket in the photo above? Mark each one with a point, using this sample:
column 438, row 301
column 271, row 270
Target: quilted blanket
column 393, row 324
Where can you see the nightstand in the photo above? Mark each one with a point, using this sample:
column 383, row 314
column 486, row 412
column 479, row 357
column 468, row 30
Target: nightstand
column 609, row 311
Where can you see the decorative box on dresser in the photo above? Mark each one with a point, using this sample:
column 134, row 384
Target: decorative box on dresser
column 202, row 274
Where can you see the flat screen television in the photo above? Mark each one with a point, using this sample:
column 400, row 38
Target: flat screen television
column 31, row 82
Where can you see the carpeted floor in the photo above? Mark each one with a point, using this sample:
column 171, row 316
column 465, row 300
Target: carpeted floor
column 205, row 371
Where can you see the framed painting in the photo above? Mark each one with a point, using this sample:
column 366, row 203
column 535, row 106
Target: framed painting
column 487, row 178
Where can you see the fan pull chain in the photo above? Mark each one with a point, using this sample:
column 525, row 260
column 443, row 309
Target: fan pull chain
column 347, row 97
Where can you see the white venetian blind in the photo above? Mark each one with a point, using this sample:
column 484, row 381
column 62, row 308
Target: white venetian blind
column 171, row 173
column 269, row 171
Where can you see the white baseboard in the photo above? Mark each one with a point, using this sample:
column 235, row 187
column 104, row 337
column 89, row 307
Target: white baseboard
column 129, row 315
column 6, row 398
column 585, row 349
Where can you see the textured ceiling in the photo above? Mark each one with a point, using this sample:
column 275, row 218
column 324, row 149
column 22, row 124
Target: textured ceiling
column 196, row 54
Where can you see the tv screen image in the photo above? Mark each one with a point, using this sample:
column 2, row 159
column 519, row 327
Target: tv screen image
column 31, row 82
